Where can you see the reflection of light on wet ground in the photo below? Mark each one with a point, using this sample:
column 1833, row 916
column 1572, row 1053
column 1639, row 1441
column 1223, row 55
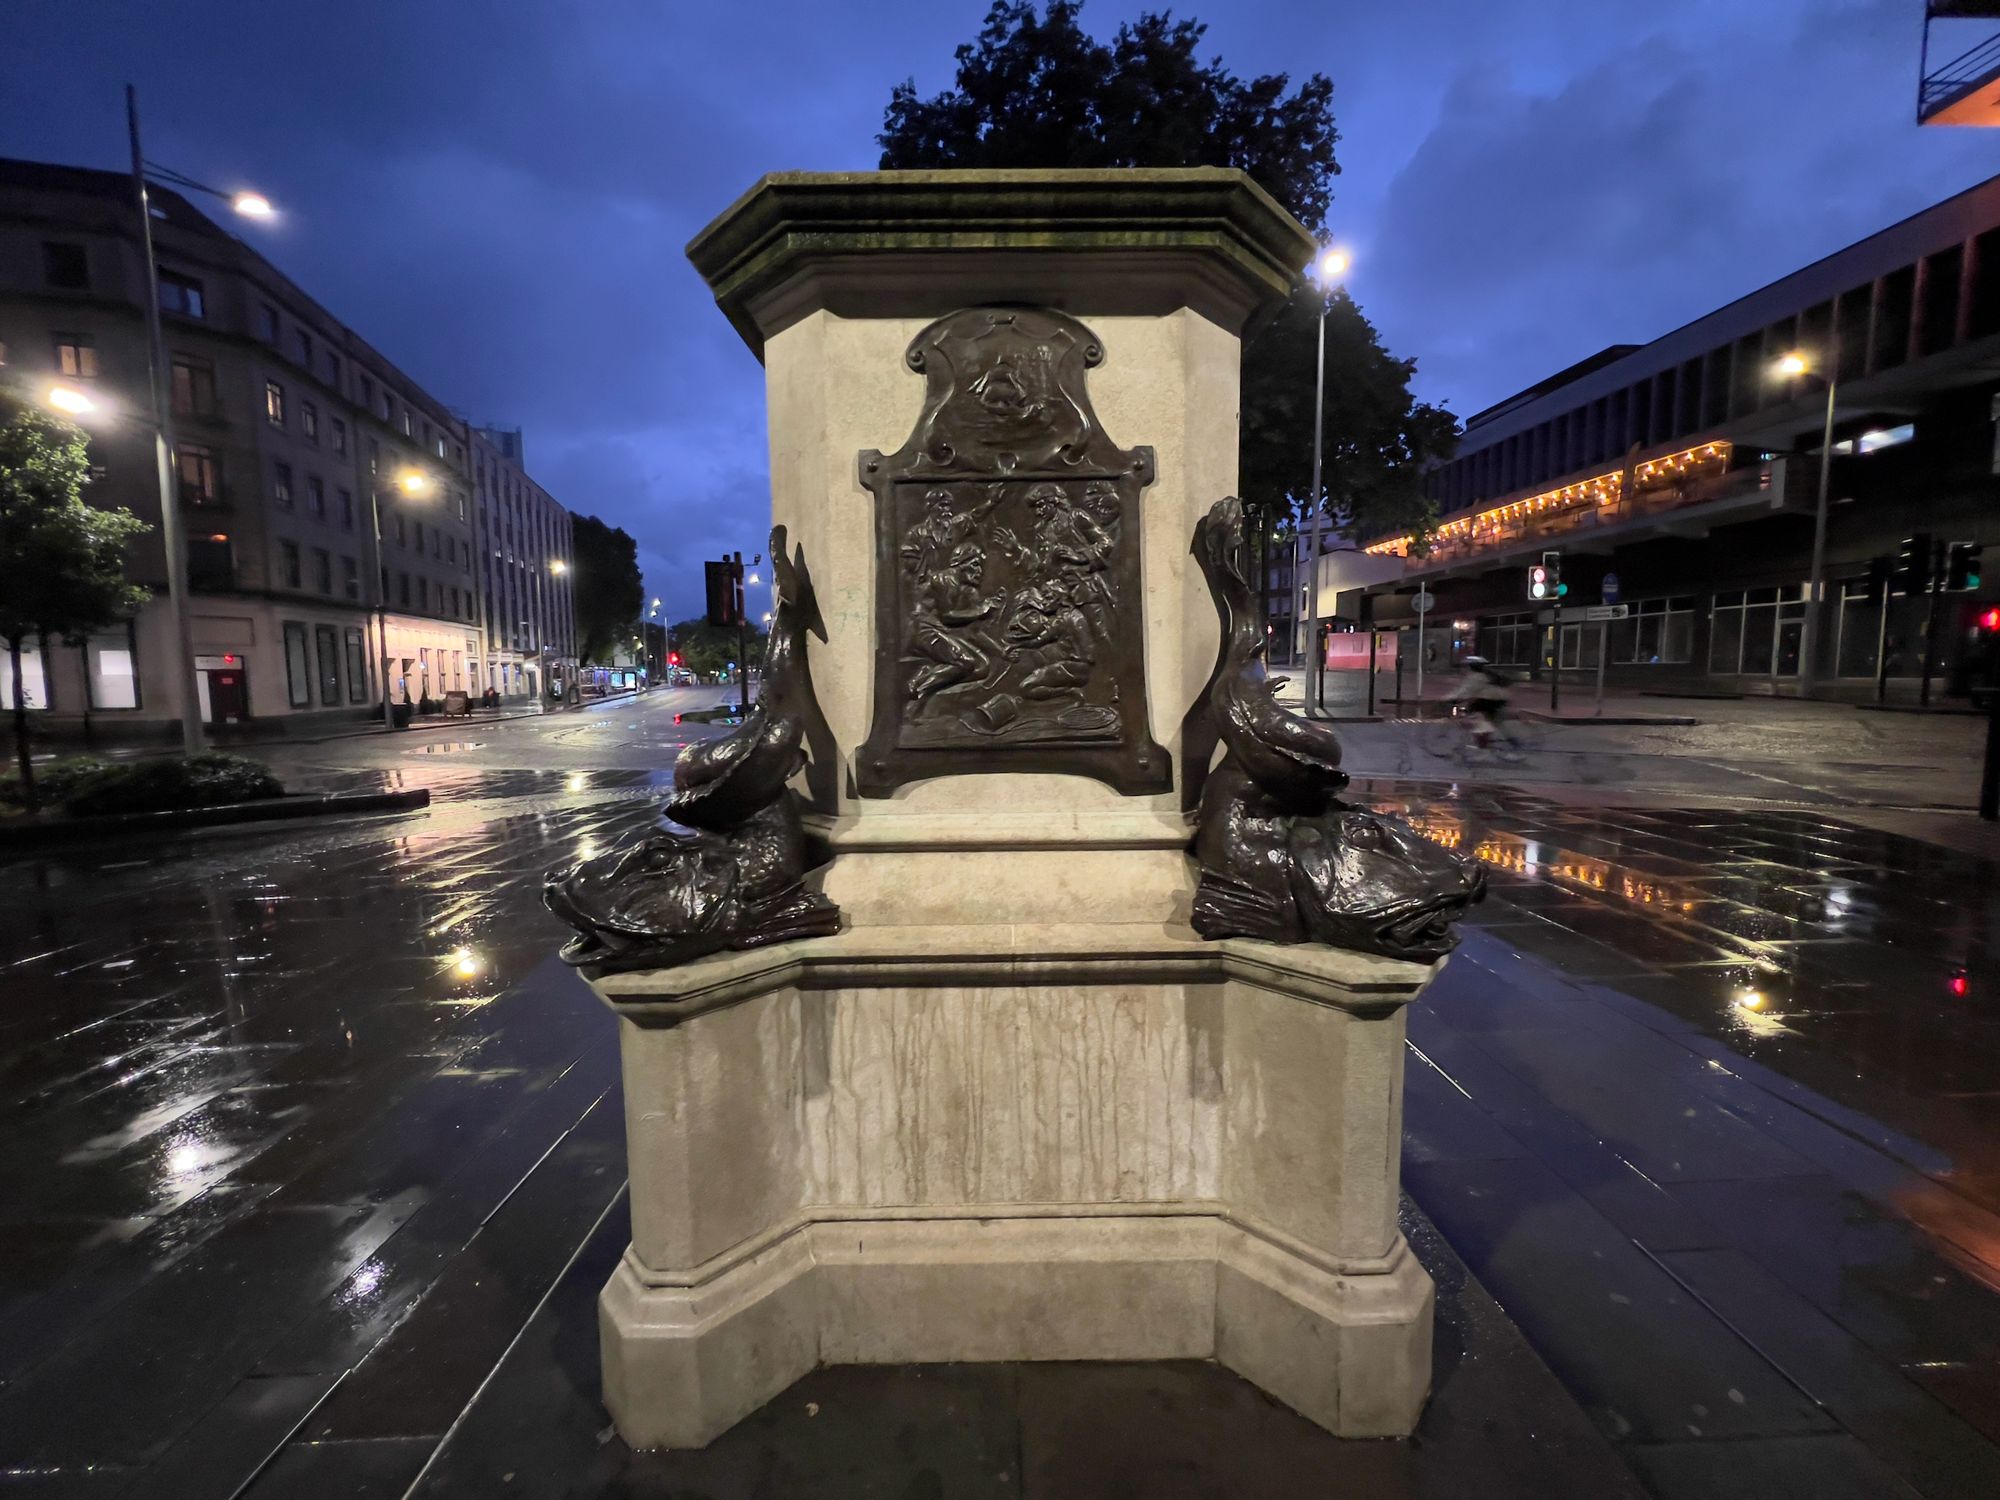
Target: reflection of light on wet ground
column 1527, row 857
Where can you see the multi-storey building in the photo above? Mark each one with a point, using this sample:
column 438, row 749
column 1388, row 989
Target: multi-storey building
column 1678, row 480
column 294, row 438
column 528, row 617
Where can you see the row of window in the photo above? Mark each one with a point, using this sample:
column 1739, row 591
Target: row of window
column 428, row 596
column 338, row 658
column 1921, row 309
column 66, row 267
column 1752, row 633
column 110, row 672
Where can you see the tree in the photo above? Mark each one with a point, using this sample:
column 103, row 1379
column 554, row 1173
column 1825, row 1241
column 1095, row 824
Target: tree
column 606, row 586
column 707, row 650
column 62, row 562
column 1036, row 90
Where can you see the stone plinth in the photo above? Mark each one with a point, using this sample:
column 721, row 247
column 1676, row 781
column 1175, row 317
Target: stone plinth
column 955, row 1131
column 1012, row 1142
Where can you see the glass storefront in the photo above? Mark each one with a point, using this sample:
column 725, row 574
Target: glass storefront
column 1757, row 632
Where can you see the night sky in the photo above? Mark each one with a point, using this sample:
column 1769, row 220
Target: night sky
column 496, row 192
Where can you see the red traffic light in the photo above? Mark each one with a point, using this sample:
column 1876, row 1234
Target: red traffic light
column 673, row 658
column 1990, row 620
column 1960, row 984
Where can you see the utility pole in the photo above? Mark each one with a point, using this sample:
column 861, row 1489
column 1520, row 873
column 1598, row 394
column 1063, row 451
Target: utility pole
column 1932, row 561
column 171, row 537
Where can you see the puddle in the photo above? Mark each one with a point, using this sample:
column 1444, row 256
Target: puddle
column 445, row 747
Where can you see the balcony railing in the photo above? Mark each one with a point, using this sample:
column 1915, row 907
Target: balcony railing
column 1646, row 500
column 1970, row 68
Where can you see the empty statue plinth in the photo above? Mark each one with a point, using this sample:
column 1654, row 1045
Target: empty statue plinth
column 1015, row 1108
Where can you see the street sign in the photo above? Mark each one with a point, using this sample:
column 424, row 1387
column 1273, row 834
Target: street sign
column 1423, row 602
column 1611, row 590
column 1607, row 612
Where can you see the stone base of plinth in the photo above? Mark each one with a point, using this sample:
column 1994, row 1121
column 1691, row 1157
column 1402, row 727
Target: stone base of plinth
column 905, row 1145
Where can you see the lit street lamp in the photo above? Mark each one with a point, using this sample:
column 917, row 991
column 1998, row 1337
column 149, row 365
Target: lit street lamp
column 1796, row 366
column 415, row 484
column 1330, row 267
column 172, row 536
column 70, row 401
column 558, row 567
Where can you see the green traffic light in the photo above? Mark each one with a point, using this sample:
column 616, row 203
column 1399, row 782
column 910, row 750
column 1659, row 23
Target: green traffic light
column 1561, row 589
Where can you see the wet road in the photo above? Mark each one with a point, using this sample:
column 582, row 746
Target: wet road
column 316, row 1165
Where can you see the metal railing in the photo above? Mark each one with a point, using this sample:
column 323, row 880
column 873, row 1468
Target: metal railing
column 1647, row 500
column 1955, row 77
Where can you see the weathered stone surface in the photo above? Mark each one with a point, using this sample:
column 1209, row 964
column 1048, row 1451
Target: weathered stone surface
column 1014, row 1142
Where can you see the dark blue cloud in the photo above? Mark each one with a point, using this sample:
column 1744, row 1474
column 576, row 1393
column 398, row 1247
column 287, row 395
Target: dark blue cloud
column 497, row 195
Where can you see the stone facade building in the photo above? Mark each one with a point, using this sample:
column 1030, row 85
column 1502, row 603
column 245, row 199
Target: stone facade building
column 293, row 436
column 528, row 618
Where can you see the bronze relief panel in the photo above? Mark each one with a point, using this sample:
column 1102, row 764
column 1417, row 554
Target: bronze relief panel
column 1009, row 625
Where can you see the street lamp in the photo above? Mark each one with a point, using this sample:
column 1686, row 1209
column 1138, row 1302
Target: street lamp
column 1797, row 365
column 558, row 567
column 1330, row 265
column 70, row 401
column 416, row 485
column 172, row 535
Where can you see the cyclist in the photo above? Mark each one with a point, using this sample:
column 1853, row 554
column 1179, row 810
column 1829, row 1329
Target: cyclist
column 1483, row 691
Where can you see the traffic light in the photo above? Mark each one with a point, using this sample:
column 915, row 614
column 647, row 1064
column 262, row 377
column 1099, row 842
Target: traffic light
column 1545, row 578
column 1913, row 564
column 1961, row 567
column 719, row 579
column 673, row 658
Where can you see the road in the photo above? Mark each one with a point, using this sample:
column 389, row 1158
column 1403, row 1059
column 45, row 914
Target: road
column 316, row 1154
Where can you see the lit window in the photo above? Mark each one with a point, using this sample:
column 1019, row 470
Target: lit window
column 76, row 358
column 34, row 687
column 200, row 475
column 193, row 389
column 113, row 681
column 274, row 403
column 1877, row 438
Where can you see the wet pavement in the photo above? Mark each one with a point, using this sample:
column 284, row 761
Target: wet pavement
column 317, row 1166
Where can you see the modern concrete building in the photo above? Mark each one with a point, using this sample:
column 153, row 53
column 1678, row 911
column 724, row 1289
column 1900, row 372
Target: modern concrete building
column 1678, row 480
column 294, row 434
column 528, row 617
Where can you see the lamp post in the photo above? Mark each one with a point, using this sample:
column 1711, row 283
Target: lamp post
column 1331, row 264
column 172, row 535
column 415, row 484
column 1796, row 366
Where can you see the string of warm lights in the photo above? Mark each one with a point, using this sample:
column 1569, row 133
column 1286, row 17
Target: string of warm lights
column 1599, row 490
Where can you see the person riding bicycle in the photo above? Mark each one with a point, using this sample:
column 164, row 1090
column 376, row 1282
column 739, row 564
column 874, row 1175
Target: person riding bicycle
column 1483, row 691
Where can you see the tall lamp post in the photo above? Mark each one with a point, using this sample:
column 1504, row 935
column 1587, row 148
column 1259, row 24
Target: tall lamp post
column 1331, row 264
column 1795, row 366
column 172, row 536
column 416, row 485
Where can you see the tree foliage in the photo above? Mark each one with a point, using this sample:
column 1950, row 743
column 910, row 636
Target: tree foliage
column 1034, row 89
column 707, row 650
column 1377, row 437
column 607, row 587
column 62, row 561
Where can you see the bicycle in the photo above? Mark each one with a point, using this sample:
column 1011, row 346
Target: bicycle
column 1455, row 736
